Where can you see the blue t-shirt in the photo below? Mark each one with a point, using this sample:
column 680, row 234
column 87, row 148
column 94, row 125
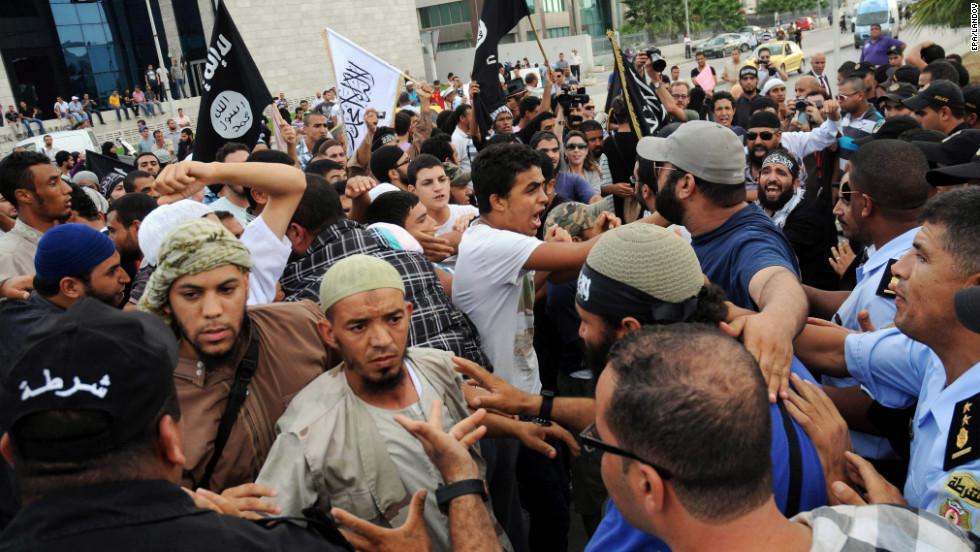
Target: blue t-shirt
column 615, row 534
column 574, row 186
column 746, row 243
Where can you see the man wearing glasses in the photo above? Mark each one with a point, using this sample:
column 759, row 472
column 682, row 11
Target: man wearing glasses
column 858, row 117
column 702, row 481
column 764, row 136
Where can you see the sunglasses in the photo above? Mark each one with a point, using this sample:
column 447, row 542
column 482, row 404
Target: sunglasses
column 845, row 190
column 843, row 97
column 679, row 96
column 764, row 135
column 591, row 442
column 576, row 146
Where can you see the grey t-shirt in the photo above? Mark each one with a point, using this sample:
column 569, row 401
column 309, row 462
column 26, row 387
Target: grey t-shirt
column 416, row 470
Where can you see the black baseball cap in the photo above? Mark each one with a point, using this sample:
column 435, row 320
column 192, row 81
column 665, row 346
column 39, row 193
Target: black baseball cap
column 971, row 98
column 748, row 70
column 937, row 94
column 956, row 174
column 882, row 72
column 956, row 149
column 863, row 68
column 895, row 49
column 907, row 73
column 92, row 357
column 899, row 91
column 889, row 129
column 966, row 303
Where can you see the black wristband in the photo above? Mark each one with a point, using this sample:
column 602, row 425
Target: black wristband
column 446, row 493
column 547, row 401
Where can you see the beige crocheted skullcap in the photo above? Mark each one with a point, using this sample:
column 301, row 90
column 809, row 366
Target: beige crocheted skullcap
column 357, row 274
column 649, row 258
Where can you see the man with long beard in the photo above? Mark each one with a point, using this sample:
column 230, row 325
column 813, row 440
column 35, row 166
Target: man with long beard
column 810, row 231
column 224, row 345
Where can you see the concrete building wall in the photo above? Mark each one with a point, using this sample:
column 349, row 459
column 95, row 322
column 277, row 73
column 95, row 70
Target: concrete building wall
column 285, row 38
column 460, row 62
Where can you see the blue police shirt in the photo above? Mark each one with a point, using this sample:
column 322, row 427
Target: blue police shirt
column 614, row 533
column 882, row 310
column 746, row 243
column 944, row 471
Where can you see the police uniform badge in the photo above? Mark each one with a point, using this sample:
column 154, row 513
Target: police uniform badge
column 878, row 126
column 887, row 278
column 959, row 500
column 963, row 441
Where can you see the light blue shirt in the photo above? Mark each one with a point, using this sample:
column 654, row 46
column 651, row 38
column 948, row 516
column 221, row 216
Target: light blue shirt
column 882, row 311
column 898, row 370
column 864, row 296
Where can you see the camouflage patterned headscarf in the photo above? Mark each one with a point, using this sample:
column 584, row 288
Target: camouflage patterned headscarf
column 194, row 246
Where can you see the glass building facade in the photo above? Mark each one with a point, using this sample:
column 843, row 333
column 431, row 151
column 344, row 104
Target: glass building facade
column 66, row 48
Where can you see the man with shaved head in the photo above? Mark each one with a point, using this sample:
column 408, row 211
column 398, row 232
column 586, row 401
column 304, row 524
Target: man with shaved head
column 817, row 66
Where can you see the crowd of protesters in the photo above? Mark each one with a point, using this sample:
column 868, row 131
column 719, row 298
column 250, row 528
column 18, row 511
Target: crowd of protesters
column 753, row 330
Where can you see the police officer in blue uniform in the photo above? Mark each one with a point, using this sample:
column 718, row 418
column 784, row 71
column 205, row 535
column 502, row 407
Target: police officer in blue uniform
column 929, row 357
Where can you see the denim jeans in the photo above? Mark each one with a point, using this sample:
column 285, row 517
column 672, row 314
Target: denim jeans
column 179, row 90
column 124, row 110
column 27, row 122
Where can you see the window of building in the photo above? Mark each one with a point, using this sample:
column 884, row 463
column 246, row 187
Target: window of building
column 455, row 45
column 558, row 32
column 444, row 14
column 530, row 6
column 553, row 6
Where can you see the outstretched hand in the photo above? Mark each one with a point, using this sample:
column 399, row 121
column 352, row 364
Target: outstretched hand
column 368, row 537
column 448, row 451
column 818, row 416
column 500, row 396
column 865, row 476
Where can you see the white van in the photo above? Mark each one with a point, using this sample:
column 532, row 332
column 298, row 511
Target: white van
column 68, row 140
column 875, row 12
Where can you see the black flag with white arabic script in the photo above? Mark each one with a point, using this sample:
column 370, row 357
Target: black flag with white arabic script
column 497, row 18
column 234, row 93
column 647, row 112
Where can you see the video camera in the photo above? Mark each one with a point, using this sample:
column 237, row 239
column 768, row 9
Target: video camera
column 659, row 63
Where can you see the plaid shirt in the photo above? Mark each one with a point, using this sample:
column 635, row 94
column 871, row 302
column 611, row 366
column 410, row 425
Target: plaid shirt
column 883, row 527
column 435, row 323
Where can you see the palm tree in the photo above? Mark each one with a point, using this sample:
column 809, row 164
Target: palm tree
column 940, row 13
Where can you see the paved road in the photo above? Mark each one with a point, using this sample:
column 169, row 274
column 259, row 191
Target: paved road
column 819, row 40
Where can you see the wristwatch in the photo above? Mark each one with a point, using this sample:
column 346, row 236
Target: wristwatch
column 446, row 493
column 656, row 85
column 547, row 401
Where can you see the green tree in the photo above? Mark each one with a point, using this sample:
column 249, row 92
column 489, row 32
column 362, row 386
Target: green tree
column 705, row 13
column 667, row 16
column 656, row 16
column 940, row 13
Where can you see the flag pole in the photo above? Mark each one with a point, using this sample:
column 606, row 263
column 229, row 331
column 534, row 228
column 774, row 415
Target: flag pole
column 618, row 55
column 538, row 38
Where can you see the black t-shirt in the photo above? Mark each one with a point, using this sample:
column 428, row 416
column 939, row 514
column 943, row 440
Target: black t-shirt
column 11, row 116
column 812, row 233
column 743, row 111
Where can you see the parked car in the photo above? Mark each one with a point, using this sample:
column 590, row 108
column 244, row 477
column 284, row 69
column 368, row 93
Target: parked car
column 747, row 30
column 785, row 54
column 805, row 23
column 68, row 140
column 720, row 46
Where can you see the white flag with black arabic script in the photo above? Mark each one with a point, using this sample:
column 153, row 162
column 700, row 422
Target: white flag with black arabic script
column 363, row 81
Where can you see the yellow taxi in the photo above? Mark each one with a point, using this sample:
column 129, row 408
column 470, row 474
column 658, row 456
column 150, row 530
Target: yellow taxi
column 784, row 54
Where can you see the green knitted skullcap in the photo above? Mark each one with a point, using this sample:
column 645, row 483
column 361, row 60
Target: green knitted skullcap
column 649, row 258
column 357, row 274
